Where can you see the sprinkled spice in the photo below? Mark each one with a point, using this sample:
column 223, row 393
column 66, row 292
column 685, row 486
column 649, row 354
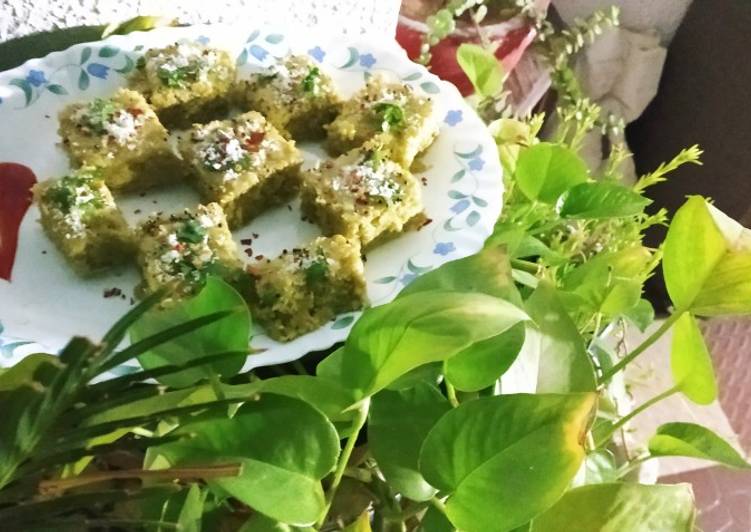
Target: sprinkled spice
column 113, row 292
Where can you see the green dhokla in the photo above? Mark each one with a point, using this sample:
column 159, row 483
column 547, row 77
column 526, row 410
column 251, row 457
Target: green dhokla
column 303, row 289
column 179, row 251
column 185, row 82
column 81, row 218
column 361, row 195
column 121, row 136
column 295, row 95
column 401, row 118
column 243, row 164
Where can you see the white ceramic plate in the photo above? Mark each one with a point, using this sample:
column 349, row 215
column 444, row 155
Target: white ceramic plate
column 45, row 302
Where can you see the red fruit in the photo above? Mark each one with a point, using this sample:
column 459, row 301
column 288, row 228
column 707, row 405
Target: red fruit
column 16, row 181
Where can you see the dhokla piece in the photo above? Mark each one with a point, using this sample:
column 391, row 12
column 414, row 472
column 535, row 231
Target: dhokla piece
column 179, row 251
column 121, row 136
column 361, row 195
column 301, row 290
column 396, row 113
column 80, row 216
column 242, row 163
column 295, row 95
column 185, row 82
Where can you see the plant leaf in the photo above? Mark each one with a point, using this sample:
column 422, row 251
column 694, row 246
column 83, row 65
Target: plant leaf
column 544, row 171
column 482, row 68
column 435, row 521
column 486, row 272
column 564, row 365
column 690, row 362
column 706, row 261
column 388, row 341
column 621, row 507
column 483, row 363
column 642, row 314
column 505, row 459
column 324, row 394
column 285, row 447
column 690, row 439
column 231, row 333
column 398, row 424
column 602, row 200
column 139, row 23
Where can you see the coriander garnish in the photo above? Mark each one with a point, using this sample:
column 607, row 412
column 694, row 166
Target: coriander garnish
column 99, row 113
column 316, row 271
column 310, row 81
column 191, row 232
column 390, row 115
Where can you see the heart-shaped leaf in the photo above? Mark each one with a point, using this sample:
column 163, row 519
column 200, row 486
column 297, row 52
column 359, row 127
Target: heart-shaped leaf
column 398, row 424
column 602, row 200
column 285, row 447
column 621, row 507
column 544, row 171
column 483, row 363
column 690, row 439
column 389, row 341
column 706, row 261
column 564, row 365
column 482, row 68
column 690, row 362
column 486, row 272
column 507, row 458
column 231, row 333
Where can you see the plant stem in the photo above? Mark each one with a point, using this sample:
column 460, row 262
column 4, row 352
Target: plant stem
column 526, row 266
column 214, row 471
column 633, row 464
column 341, row 466
column 451, row 392
column 626, row 360
column 438, row 504
column 635, row 412
column 216, row 385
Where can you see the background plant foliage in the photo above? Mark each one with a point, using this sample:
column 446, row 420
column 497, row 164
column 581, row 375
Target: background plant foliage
column 405, row 426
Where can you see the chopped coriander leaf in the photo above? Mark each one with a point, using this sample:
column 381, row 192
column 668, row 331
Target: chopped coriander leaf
column 141, row 63
column 317, row 271
column 67, row 193
column 62, row 196
column 99, row 113
column 177, row 76
column 390, row 115
column 310, row 82
column 191, row 232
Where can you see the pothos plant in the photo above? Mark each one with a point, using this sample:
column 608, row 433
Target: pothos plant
column 409, row 425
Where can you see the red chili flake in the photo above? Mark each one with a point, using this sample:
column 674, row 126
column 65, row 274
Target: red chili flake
column 253, row 142
column 246, row 241
column 255, row 235
column 135, row 111
column 426, row 222
column 137, row 211
column 424, row 180
column 259, row 257
column 249, row 252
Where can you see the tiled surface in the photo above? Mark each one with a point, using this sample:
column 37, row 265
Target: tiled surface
column 729, row 341
column 722, row 496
